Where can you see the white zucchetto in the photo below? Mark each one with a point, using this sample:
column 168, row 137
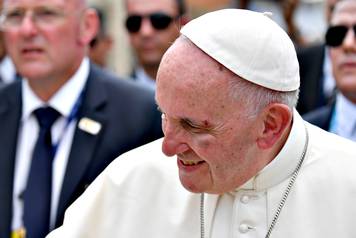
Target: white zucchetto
column 249, row 44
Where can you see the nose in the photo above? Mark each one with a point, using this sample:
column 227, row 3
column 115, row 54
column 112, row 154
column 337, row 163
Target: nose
column 146, row 27
column 28, row 26
column 349, row 43
column 173, row 141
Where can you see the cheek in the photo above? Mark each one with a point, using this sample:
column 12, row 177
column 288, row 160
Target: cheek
column 133, row 39
column 10, row 39
column 203, row 141
column 335, row 57
column 165, row 39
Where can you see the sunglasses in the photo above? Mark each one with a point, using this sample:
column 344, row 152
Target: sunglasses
column 335, row 35
column 159, row 21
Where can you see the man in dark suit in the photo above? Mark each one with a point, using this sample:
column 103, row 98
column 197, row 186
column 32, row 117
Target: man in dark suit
column 96, row 116
column 316, row 80
column 313, row 76
column 340, row 117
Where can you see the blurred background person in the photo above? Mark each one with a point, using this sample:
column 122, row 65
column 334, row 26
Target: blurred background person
column 340, row 117
column 66, row 120
column 317, row 82
column 102, row 43
column 7, row 68
column 152, row 27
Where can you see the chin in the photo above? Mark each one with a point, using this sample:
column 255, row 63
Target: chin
column 191, row 187
column 34, row 72
column 195, row 188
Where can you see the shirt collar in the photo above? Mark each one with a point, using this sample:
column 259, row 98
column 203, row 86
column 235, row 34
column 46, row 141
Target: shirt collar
column 63, row 100
column 144, row 78
column 329, row 81
column 285, row 162
column 345, row 111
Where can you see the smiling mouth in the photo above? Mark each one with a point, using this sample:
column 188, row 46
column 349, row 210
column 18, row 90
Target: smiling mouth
column 191, row 162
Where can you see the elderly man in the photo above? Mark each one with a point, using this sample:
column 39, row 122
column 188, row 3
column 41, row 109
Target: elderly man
column 66, row 120
column 249, row 165
column 340, row 117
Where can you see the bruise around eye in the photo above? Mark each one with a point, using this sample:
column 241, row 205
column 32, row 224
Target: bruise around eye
column 191, row 127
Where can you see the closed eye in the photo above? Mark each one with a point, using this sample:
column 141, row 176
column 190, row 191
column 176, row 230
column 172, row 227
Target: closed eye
column 191, row 127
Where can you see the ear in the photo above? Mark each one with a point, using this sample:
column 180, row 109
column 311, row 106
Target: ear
column 89, row 26
column 276, row 119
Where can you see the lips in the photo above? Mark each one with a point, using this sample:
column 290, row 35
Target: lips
column 31, row 50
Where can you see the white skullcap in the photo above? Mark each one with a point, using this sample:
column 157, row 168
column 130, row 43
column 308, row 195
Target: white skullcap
column 249, row 44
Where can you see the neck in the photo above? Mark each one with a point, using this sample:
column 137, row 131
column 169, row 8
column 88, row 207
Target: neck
column 151, row 71
column 45, row 89
column 45, row 85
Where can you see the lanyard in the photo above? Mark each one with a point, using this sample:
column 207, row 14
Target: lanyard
column 72, row 116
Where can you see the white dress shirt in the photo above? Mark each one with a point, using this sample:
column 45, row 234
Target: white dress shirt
column 343, row 122
column 328, row 78
column 143, row 78
column 63, row 101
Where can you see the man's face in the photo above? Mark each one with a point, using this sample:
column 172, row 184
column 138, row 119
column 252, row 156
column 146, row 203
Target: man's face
column 149, row 43
column 208, row 130
column 343, row 57
column 46, row 43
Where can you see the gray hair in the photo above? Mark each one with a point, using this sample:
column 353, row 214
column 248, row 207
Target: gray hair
column 256, row 97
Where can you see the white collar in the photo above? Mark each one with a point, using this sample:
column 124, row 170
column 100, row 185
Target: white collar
column 328, row 81
column 285, row 162
column 144, row 78
column 63, row 100
column 345, row 112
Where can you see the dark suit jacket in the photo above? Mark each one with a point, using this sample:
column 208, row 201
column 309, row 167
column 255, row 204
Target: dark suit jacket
column 129, row 118
column 311, row 61
column 320, row 117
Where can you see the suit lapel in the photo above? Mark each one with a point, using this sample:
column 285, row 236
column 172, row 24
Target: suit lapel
column 84, row 143
column 10, row 113
column 316, row 73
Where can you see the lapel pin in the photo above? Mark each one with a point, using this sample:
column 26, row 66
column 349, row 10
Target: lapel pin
column 89, row 125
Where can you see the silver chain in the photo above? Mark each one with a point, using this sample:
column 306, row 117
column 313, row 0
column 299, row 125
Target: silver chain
column 281, row 203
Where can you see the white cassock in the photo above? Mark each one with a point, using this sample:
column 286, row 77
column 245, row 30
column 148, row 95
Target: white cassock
column 140, row 195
